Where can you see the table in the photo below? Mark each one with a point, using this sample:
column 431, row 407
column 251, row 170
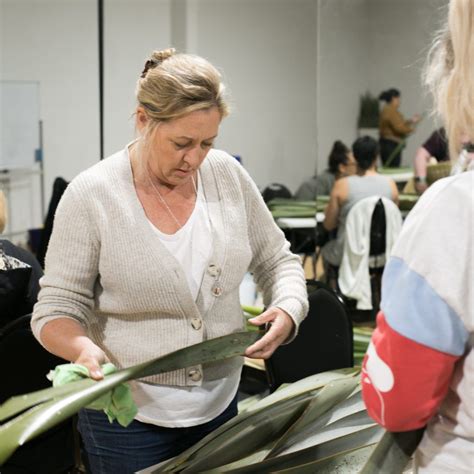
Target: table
column 399, row 175
column 300, row 222
column 301, row 233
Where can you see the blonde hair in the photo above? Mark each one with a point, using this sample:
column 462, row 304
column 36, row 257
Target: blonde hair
column 3, row 212
column 172, row 85
column 448, row 73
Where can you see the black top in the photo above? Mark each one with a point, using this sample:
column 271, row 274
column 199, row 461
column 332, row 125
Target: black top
column 437, row 145
column 19, row 287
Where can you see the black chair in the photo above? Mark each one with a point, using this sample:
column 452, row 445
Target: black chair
column 59, row 187
column 324, row 341
column 25, row 364
column 378, row 244
column 274, row 191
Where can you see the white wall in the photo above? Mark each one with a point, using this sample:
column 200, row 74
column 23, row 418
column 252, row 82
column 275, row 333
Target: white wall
column 289, row 103
column 372, row 45
column 55, row 42
column 343, row 71
column 400, row 35
column 132, row 30
column 267, row 51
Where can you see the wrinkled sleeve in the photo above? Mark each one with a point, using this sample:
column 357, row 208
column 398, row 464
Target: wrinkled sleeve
column 71, row 265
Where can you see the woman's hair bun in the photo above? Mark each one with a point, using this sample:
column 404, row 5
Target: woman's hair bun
column 339, row 146
column 156, row 58
column 159, row 56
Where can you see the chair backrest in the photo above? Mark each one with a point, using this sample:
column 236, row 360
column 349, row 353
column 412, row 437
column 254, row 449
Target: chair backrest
column 28, row 361
column 275, row 190
column 24, row 368
column 59, row 186
column 324, row 341
column 378, row 229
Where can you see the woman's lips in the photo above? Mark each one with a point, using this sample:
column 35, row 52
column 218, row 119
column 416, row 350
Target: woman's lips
column 183, row 172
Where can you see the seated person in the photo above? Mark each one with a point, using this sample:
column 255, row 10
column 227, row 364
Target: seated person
column 340, row 163
column 435, row 147
column 19, row 276
column 349, row 190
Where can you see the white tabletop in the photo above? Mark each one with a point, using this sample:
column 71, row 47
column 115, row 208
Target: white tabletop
column 300, row 222
column 401, row 177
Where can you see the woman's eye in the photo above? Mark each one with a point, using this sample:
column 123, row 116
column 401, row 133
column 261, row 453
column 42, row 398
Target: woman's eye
column 206, row 145
column 180, row 146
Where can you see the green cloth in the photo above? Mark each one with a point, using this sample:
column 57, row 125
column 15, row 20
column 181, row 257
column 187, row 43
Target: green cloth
column 117, row 404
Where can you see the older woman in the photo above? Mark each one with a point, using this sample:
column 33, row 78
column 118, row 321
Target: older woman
column 147, row 253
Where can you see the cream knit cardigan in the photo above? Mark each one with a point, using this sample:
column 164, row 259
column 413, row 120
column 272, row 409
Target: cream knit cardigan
column 106, row 269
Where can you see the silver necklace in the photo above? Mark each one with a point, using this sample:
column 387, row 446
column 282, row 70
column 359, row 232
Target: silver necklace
column 162, row 199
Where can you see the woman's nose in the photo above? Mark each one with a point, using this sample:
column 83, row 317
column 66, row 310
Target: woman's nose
column 194, row 156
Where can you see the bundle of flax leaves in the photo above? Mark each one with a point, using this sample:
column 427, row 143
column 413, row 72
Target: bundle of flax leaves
column 288, row 207
column 317, row 424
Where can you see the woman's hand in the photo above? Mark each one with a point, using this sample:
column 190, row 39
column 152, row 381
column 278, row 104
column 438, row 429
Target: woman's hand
column 67, row 339
column 281, row 326
column 92, row 357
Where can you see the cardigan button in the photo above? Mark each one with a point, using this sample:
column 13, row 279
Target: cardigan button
column 196, row 323
column 216, row 290
column 195, row 375
column 213, row 270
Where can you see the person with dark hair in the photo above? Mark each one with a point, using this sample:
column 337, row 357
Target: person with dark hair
column 349, row 190
column 341, row 163
column 393, row 128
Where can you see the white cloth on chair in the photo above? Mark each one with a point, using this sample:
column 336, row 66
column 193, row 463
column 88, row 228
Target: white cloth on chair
column 354, row 277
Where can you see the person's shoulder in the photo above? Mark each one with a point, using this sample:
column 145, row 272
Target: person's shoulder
column 341, row 186
column 223, row 163
column 216, row 156
column 326, row 176
column 386, row 110
column 100, row 174
column 440, row 215
column 446, row 192
column 385, row 179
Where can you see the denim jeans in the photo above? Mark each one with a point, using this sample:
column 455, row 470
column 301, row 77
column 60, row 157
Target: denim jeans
column 113, row 449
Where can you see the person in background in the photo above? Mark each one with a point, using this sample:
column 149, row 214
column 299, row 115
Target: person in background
column 349, row 190
column 148, row 250
column 19, row 276
column 341, row 163
column 419, row 368
column 435, row 147
column 393, row 128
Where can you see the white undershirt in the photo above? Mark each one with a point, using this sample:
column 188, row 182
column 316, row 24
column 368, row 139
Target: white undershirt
column 174, row 406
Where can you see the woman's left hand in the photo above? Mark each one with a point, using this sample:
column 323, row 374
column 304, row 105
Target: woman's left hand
column 281, row 326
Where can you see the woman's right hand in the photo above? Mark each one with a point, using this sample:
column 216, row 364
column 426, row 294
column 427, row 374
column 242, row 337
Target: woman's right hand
column 92, row 357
